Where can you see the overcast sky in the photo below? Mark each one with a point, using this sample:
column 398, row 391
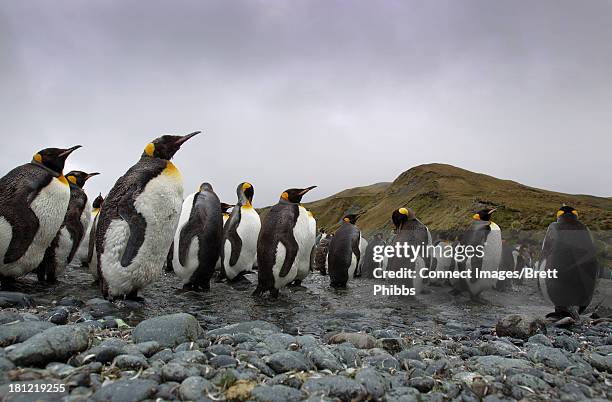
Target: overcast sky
column 329, row 93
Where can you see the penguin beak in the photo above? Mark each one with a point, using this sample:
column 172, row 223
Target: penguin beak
column 90, row 175
column 307, row 189
column 493, row 210
column 184, row 138
column 66, row 152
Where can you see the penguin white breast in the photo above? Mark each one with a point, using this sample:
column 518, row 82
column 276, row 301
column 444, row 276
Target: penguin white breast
column 185, row 272
column 64, row 245
column 310, row 235
column 160, row 205
column 49, row 206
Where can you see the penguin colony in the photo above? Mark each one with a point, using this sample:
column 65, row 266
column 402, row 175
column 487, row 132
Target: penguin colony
column 48, row 222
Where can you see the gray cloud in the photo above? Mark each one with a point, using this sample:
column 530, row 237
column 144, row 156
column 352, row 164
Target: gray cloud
column 291, row 94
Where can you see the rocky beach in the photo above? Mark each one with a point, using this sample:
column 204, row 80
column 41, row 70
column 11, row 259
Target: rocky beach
column 313, row 343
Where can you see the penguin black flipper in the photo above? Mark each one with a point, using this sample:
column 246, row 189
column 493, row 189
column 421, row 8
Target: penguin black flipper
column 232, row 236
column 137, row 225
column 292, row 249
column 14, row 197
column 356, row 239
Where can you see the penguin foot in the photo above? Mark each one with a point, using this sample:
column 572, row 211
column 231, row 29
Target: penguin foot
column 337, row 285
column 454, row 292
column 296, row 283
column 7, row 283
column 134, row 297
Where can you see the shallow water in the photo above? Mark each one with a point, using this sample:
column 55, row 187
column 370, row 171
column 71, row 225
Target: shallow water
column 315, row 308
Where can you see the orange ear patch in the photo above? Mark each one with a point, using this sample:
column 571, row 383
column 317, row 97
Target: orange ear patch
column 150, row 149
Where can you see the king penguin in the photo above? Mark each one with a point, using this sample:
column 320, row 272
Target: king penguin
column 67, row 240
column 240, row 235
column 81, row 257
column 92, row 260
column 369, row 265
column 305, row 254
column 344, row 252
column 284, row 235
column 412, row 232
column 33, row 202
column 198, row 238
column 138, row 220
column 483, row 234
column 568, row 248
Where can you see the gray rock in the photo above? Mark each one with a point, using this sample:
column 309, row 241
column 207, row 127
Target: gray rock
column 178, row 372
column 186, row 346
column 599, row 362
column 527, row 380
column 566, row 342
column 248, row 327
column 194, row 388
column 168, row 391
column 494, row 365
column 358, row 339
column 322, row 358
column 541, row 339
column 347, row 354
column 278, row 342
column 130, row 362
column 149, row 348
column 548, row 356
column 164, row 355
column 219, row 349
column 54, row 344
column 373, row 382
column 499, row 348
column 192, row 356
column 423, row 384
column 18, row 332
column 403, row 394
column 381, row 361
column 391, row 345
column 520, row 326
column 59, row 316
column 168, row 330
column 99, row 308
column 126, row 391
column 60, row 370
column 276, row 393
column 282, row 362
column 335, row 386
column 223, row 361
column 15, row 299
column 9, row 316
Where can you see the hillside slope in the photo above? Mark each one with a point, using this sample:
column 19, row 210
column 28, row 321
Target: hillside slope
column 445, row 197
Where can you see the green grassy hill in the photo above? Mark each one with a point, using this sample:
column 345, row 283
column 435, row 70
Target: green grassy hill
column 445, row 197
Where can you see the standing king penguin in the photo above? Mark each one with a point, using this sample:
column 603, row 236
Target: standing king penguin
column 412, row 232
column 285, row 234
column 305, row 254
column 81, row 257
column 33, row 202
column 138, row 220
column 240, row 234
column 198, row 238
column 92, row 260
column 344, row 252
column 568, row 248
column 68, row 239
column 483, row 234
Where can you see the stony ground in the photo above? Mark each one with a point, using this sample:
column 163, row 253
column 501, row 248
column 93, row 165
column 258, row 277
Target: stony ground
column 313, row 343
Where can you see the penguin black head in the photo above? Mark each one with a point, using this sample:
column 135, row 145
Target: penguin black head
column 484, row 214
column 166, row 146
column 79, row 178
column 351, row 218
column 54, row 158
column 567, row 212
column 245, row 193
column 401, row 216
column 225, row 207
column 97, row 203
column 295, row 195
column 205, row 187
